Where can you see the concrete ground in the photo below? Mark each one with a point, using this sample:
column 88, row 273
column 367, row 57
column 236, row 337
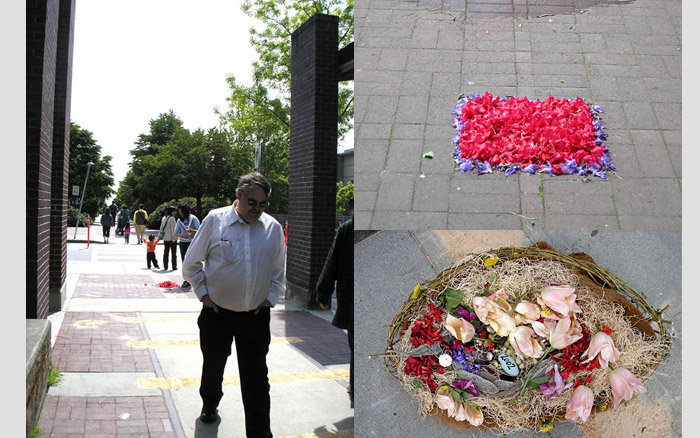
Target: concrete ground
column 130, row 358
column 413, row 58
column 389, row 264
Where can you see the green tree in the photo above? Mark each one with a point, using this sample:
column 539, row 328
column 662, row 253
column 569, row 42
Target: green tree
column 256, row 120
column 272, row 42
column 84, row 149
column 344, row 195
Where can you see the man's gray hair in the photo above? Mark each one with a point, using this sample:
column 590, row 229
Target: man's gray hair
column 257, row 179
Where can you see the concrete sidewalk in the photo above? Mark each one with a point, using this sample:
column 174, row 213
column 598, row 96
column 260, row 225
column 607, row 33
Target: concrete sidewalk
column 130, row 358
column 390, row 263
column 414, row 58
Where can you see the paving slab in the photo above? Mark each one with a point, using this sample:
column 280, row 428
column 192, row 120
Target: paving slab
column 623, row 56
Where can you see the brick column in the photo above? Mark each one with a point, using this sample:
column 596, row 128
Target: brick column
column 42, row 36
column 60, row 157
column 312, row 154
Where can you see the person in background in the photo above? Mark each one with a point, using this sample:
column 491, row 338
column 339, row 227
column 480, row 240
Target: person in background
column 236, row 266
column 107, row 222
column 185, row 229
column 167, row 227
column 127, row 232
column 113, row 210
column 338, row 275
column 140, row 220
column 151, row 251
column 124, row 217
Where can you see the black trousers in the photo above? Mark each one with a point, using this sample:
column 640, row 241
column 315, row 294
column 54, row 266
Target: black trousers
column 217, row 331
column 170, row 247
column 151, row 258
column 183, row 249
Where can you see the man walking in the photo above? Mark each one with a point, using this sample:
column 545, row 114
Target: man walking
column 236, row 266
column 140, row 219
column 338, row 275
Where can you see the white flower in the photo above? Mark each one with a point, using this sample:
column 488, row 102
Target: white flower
column 445, row 360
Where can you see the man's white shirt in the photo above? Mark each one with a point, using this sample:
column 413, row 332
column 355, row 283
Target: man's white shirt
column 239, row 265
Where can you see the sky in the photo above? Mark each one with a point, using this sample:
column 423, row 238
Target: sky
column 142, row 58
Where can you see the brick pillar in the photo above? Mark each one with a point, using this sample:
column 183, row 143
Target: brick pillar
column 42, row 36
column 60, row 158
column 312, row 154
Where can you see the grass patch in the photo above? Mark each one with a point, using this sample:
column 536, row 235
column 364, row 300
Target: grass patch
column 55, row 376
column 36, row 432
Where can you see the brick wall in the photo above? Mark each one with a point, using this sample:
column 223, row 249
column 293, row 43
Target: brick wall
column 313, row 154
column 60, row 154
column 41, row 40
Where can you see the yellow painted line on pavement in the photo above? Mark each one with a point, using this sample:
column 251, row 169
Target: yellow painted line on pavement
column 96, row 322
column 183, row 382
column 337, row 434
column 176, row 342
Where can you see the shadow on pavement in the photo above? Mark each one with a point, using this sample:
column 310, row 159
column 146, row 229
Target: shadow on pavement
column 202, row 430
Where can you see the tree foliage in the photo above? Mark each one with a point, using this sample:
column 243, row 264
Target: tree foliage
column 272, row 42
column 84, row 149
column 344, row 195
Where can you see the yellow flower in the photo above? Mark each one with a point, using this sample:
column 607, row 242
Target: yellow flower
column 491, row 261
column 603, row 407
column 416, row 291
column 546, row 426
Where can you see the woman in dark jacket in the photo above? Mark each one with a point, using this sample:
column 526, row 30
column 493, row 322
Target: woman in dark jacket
column 107, row 221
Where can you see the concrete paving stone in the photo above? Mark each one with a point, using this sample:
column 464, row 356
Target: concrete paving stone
column 524, row 69
column 371, row 155
column 572, row 186
column 673, row 65
column 579, row 204
column 431, row 194
column 555, row 80
column 489, row 46
column 440, row 110
column 396, row 191
column 386, row 31
column 373, row 131
column 669, row 115
column 369, row 74
column 363, row 219
column 404, row 156
column 653, row 66
column 471, row 183
column 531, row 205
column 675, row 154
column 442, row 164
column 614, row 116
column 650, row 222
column 446, row 84
column 563, row 92
column 580, row 222
column 435, row 60
column 381, row 89
column 605, row 88
column 480, row 221
column 665, row 195
column 416, row 83
column 98, row 384
column 449, row 39
column 462, row 201
column 488, row 67
column 407, row 131
column 631, row 198
column 361, row 108
column 529, row 184
column 381, row 109
column 414, row 220
column 654, row 161
column 617, row 59
column 424, row 39
column 559, row 69
column 365, row 200
column 490, row 81
column 626, row 162
column 377, row 17
column 662, row 26
column 392, row 59
column 412, row 109
column 508, row 56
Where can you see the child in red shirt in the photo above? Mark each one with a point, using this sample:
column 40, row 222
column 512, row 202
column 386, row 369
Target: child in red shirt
column 151, row 250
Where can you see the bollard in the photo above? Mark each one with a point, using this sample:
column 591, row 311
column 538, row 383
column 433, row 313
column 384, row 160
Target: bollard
column 88, row 231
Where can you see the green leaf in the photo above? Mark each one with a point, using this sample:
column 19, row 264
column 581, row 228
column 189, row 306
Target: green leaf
column 451, row 298
column 417, row 383
column 536, row 382
column 429, row 155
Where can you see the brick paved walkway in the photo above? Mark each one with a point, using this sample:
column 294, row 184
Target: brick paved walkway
column 413, row 58
column 135, row 373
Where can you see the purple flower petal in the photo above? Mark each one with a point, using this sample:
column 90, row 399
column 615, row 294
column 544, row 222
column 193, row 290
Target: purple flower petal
column 511, row 170
column 467, row 166
column 483, row 167
column 531, row 169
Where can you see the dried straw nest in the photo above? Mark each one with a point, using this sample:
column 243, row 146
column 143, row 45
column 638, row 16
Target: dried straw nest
column 639, row 331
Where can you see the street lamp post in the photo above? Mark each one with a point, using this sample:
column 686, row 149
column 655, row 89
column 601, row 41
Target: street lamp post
column 77, row 222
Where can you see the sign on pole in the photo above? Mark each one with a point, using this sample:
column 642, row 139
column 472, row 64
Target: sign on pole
column 76, row 190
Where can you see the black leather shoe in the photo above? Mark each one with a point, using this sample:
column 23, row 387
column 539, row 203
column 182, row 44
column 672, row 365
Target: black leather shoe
column 208, row 415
